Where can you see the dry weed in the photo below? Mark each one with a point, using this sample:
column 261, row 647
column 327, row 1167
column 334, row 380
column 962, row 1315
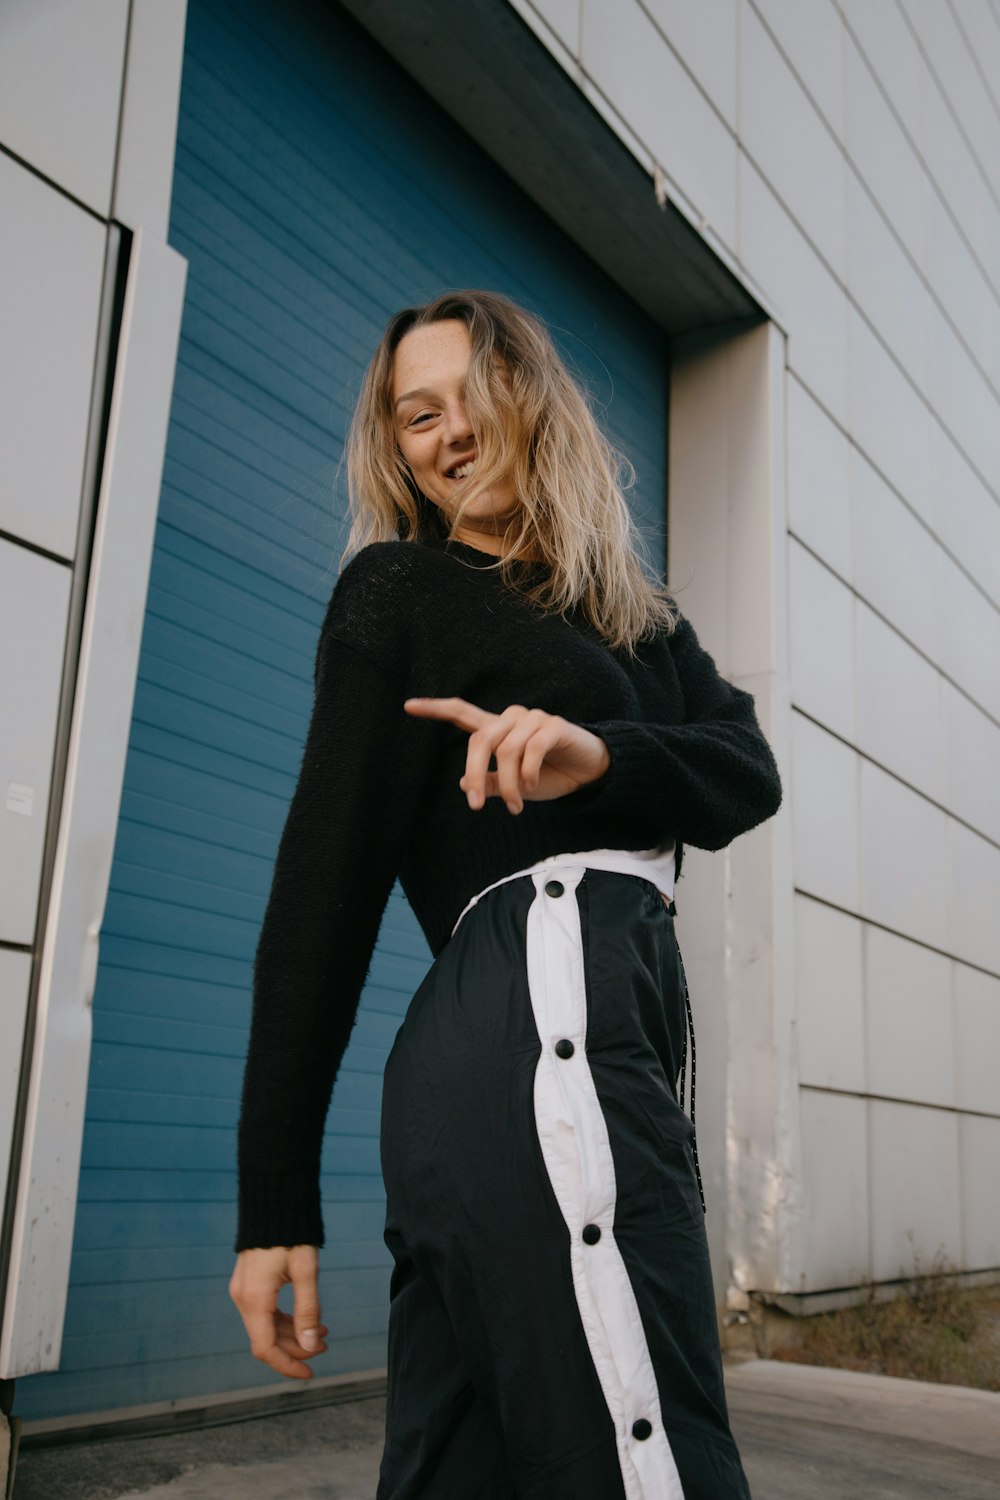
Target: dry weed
column 935, row 1329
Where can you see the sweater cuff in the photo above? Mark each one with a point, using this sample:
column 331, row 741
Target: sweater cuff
column 278, row 1210
column 628, row 772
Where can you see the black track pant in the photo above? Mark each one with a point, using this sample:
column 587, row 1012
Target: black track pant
column 552, row 1330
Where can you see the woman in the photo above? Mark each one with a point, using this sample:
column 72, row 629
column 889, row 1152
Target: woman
column 552, row 1328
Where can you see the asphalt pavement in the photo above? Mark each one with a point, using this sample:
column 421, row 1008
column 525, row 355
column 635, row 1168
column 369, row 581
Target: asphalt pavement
column 804, row 1433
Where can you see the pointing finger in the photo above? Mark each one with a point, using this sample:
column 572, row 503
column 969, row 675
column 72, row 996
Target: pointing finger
column 455, row 710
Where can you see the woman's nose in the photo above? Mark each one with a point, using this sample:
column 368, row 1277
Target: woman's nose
column 458, row 428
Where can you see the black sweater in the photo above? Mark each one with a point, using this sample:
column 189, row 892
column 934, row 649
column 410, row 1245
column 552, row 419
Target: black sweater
column 378, row 798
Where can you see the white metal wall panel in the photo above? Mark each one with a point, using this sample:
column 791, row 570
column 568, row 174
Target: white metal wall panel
column 836, row 1223
column 60, row 83
column 626, row 55
column 787, row 139
column 777, row 254
column 908, row 994
column 829, row 987
column 915, row 1188
column 704, row 37
column 979, row 1146
column 48, row 1184
column 822, row 644
column 51, row 270
column 15, row 977
column 810, row 40
column 145, row 169
column 819, row 476
column 825, row 815
column 34, row 595
column 903, row 861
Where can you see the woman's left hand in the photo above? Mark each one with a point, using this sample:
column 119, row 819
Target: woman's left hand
column 539, row 756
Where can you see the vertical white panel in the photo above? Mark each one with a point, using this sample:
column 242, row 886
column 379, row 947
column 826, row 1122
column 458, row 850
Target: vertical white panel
column 704, row 36
column 885, row 283
column 971, row 875
column 895, row 558
column 112, row 628
column 728, row 545
column 965, row 515
column 810, row 36
column 904, row 859
column 899, row 705
column 34, row 597
column 829, row 996
column 819, row 481
column 879, row 148
column 879, row 34
column 15, row 976
column 51, row 272
column 628, row 59
column 911, row 1053
column 956, row 173
column 977, row 1040
column 971, row 757
column 781, row 260
column 889, row 420
column 60, row 88
column 835, row 1182
column 788, row 141
column 149, row 116
column 822, row 643
column 562, row 17
column 916, row 1207
column 957, row 280
column 980, row 1147
column 962, row 400
column 982, row 33
column 978, row 25
column 969, row 637
column 825, row 814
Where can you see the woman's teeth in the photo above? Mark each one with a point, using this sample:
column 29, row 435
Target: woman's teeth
column 463, row 471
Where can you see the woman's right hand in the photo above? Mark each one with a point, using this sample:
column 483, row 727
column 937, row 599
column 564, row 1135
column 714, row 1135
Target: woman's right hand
column 539, row 756
column 277, row 1338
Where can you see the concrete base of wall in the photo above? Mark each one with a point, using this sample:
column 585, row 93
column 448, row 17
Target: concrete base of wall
column 757, row 1332
column 195, row 1412
column 764, row 1321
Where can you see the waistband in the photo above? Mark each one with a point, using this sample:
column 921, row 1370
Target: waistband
column 656, row 864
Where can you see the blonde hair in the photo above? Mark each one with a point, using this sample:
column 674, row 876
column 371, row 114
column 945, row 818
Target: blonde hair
column 532, row 421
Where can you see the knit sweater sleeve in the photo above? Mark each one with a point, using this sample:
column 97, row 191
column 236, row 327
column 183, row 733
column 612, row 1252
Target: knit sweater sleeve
column 705, row 780
column 338, row 857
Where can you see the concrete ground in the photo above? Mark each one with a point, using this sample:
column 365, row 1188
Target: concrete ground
column 803, row 1432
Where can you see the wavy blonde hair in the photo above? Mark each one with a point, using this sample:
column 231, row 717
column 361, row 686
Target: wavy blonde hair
column 534, row 422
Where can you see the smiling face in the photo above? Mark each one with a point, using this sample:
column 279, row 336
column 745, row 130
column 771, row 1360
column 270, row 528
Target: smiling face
column 435, row 436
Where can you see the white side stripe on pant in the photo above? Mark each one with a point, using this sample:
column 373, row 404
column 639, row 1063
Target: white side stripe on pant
column 573, row 1135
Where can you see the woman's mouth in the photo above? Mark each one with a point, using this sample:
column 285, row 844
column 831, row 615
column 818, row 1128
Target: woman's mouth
column 461, row 471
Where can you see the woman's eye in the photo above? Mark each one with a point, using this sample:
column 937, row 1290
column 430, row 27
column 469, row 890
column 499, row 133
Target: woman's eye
column 423, row 417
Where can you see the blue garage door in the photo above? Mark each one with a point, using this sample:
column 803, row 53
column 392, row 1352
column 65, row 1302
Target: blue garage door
column 317, row 190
